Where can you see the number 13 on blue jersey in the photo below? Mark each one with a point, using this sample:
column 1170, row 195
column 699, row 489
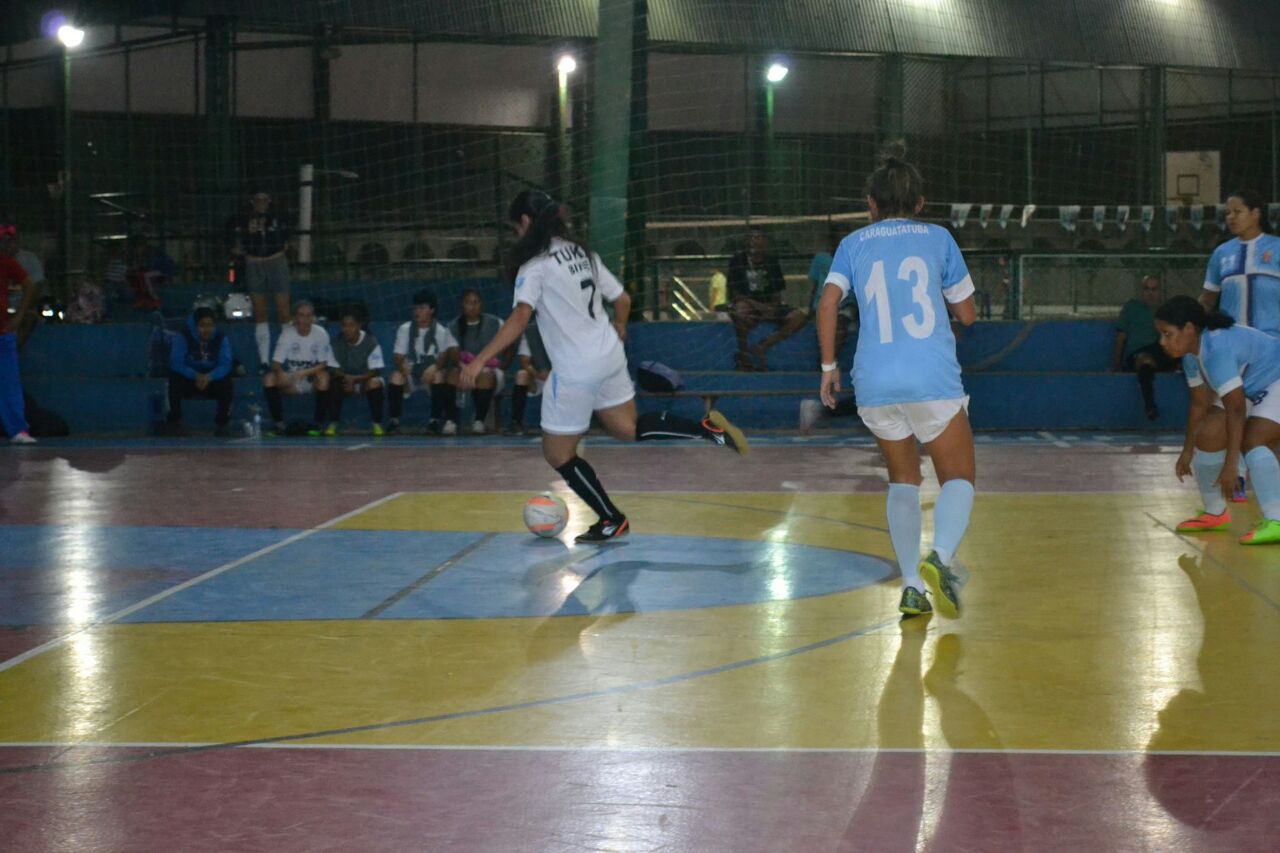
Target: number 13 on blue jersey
column 914, row 271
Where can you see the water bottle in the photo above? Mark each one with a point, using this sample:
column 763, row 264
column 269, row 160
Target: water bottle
column 255, row 431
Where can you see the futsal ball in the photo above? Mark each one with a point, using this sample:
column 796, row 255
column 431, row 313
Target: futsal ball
column 545, row 515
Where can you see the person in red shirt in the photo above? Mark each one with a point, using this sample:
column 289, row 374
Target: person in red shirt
column 12, row 410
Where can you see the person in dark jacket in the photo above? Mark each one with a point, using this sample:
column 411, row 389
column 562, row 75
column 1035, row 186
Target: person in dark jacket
column 200, row 367
column 473, row 329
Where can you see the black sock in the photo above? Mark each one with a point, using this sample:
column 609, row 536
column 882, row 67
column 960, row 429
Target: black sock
column 337, row 396
column 374, row 396
column 519, row 397
column 482, row 397
column 846, row 407
column 275, row 405
column 397, row 401
column 664, row 426
column 581, row 477
column 450, row 402
column 321, row 412
column 438, row 394
column 1146, row 381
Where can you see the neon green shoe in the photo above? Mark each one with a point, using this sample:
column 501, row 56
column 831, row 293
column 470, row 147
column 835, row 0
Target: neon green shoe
column 1266, row 533
column 943, row 584
column 378, row 431
column 331, row 431
column 914, row 602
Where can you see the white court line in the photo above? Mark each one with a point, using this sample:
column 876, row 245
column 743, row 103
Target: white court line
column 1048, row 436
column 359, row 446
column 187, row 584
column 596, row 748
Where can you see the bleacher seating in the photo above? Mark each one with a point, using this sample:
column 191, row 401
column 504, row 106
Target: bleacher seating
column 1049, row 375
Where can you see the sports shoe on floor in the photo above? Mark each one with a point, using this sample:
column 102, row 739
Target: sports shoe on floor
column 1153, row 412
column 724, row 433
column 393, row 426
column 513, row 429
column 23, row 437
column 810, row 411
column 914, row 602
column 1204, row 521
column 1266, row 533
column 604, row 530
column 314, row 431
column 449, row 428
column 433, row 426
column 942, row 583
column 1239, row 495
column 331, row 430
column 378, row 431
column 477, row 428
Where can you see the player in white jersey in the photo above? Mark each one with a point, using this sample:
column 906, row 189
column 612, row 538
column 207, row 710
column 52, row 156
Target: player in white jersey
column 568, row 285
column 300, row 365
column 909, row 279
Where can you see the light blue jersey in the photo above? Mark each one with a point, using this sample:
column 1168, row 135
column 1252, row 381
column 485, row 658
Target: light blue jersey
column 1246, row 275
column 1234, row 358
column 903, row 274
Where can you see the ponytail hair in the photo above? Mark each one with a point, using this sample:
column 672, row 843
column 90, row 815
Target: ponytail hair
column 1253, row 200
column 896, row 185
column 1181, row 310
column 546, row 223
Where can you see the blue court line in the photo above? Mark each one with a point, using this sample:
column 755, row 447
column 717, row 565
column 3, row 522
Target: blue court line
column 586, row 695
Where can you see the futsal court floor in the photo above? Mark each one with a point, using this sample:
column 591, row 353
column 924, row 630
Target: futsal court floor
column 355, row 645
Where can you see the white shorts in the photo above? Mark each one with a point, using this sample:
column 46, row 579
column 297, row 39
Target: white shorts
column 567, row 405
column 302, row 386
column 1268, row 405
column 925, row 421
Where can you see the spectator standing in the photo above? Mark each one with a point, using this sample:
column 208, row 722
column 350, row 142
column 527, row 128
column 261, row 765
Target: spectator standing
column 473, row 330
column 756, row 286
column 1137, row 348
column 34, row 267
column 425, row 350
column 261, row 240
column 300, row 366
column 200, row 368
column 359, row 371
column 12, row 407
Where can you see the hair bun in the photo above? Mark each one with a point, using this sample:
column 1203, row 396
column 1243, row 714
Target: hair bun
column 893, row 153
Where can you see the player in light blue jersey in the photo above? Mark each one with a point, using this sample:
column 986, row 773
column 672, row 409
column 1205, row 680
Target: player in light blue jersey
column 1243, row 276
column 1242, row 367
column 909, row 279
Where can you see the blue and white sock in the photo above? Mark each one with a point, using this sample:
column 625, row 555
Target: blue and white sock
column 951, row 517
column 262, row 337
column 1266, row 480
column 1207, row 466
column 903, row 507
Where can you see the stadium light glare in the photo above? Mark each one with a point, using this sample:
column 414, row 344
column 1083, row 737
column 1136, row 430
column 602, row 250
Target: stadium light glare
column 71, row 37
column 777, row 73
column 567, row 64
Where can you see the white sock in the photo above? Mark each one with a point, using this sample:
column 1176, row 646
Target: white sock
column 1266, row 480
column 951, row 518
column 1207, row 466
column 903, row 509
column 262, row 334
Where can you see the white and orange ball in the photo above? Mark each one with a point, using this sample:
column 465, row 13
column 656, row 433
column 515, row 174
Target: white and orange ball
column 545, row 515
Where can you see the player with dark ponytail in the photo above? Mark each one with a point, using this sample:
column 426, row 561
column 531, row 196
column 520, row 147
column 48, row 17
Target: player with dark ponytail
column 556, row 275
column 1241, row 366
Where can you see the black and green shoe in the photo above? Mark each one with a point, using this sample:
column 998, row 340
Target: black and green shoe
column 914, row 602
column 943, row 584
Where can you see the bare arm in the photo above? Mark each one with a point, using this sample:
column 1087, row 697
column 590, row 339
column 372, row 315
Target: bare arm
column 1209, row 299
column 964, row 311
column 828, row 308
column 509, row 334
column 1234, row 403
column 621, row 313
column 1197, row 411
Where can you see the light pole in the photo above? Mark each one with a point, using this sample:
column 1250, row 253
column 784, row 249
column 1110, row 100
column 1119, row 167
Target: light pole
column 70, row 37
column 565, row 66
column 773, row 75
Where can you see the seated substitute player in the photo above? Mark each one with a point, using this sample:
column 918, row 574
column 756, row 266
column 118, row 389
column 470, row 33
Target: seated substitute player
column 567, row 284
column 531, row 378
column 359, row 361
column 300, row 365
column 1242, row 366
column 1137, row 348
column 425, row 350
column 907, row 276
column 472, row 330
column 756, row 285
column 200, row 367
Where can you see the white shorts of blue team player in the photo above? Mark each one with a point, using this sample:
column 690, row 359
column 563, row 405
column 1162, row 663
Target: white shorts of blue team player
column 1268, row 405
column 567, row 404
column 899, row 421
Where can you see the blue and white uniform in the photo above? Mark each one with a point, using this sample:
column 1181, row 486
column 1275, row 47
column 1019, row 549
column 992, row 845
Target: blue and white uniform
column 905, row 372
column 1246, row 276
column 1239, row 357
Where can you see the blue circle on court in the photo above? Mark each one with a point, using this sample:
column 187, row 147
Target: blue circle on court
column 514, row 575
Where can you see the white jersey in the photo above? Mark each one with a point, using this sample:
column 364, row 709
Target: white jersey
column 567, row 290
column 298, row 352
column 423, row 349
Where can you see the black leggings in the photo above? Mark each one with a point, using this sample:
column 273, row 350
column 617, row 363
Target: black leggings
column 182, row 388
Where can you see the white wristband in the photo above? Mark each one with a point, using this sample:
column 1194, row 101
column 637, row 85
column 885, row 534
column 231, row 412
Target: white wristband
column 831, row 367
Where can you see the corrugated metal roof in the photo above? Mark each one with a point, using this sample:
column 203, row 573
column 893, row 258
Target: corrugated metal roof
column 1196, row 33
